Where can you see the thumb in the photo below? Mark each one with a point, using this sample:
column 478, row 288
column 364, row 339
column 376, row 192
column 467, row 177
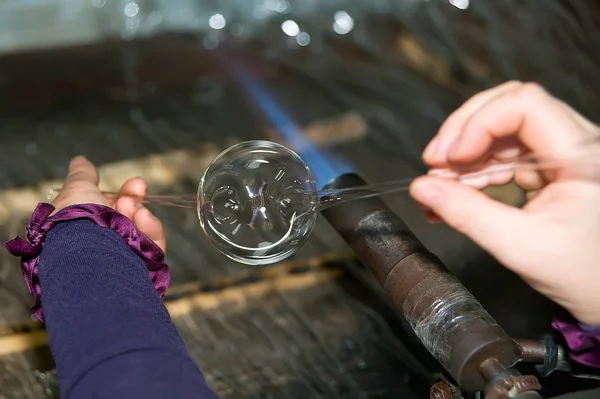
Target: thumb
column 492, row 225
column 81, row 186
column 81, row 173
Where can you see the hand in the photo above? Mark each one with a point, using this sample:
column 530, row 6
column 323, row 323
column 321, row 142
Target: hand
column 81, row 187
column 553, row 242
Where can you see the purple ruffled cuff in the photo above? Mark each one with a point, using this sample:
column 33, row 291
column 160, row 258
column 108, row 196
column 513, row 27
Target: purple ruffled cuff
column 41, row 222
column 583, row 341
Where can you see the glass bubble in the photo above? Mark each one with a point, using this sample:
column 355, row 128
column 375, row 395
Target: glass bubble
column 255, row 202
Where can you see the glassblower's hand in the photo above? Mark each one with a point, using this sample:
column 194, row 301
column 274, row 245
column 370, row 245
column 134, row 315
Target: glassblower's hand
column 553, row 242
column 81, row 187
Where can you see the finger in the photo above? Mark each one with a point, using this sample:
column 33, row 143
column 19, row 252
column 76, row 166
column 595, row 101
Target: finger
column 112, row 200
column 491, row 174
column 488, row 177
column 532, row 194
column 529, row 180
column 422, row 207
column 130, row 196
column 80, row 186
column 135, row 187
column 81, row 172
column 506, row 149
column 127, row 206
column 151, row 227
column 580, row 119
column 430, row 216
column 539, row 120
column 492, row 225
column 433, row 218
column 436, row 152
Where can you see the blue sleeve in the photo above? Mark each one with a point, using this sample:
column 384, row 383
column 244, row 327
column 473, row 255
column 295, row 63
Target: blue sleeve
column 110, row 334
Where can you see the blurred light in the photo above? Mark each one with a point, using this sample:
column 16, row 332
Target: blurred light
column 131, row 9
column 461, row 4
column 280, row 6
column 343, row 22
column 261, row 13
column 155, row 18
column 98, row 3
column 217, row 21
column 290, row 28
column 325, row 166
column 303, row 39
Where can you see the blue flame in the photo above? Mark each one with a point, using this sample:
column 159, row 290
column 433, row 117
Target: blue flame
column 324, row 166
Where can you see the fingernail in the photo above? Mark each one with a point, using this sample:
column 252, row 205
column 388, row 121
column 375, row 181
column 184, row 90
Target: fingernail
column 455, row 149
column 431, row 148
column 428, row 194
column 433, row 219
column 443, row 173
column 474, row 180
column 76, row 160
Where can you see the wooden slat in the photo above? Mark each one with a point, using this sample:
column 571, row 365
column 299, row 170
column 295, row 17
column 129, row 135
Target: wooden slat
column 161, row 171
column 238, row 295
column 348, row 127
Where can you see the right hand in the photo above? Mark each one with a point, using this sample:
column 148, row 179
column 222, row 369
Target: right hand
column 553, row 242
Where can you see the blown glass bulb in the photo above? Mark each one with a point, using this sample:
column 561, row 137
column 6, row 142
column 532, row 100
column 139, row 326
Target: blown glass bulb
column 255, row 201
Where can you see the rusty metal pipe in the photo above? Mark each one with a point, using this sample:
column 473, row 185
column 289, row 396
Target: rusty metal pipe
column 531, row 350
column 453, row 326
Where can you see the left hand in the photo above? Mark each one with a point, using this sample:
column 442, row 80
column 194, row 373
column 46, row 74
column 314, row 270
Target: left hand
column 81, row 187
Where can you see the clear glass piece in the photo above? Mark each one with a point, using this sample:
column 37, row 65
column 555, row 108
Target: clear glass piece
column 255, row 202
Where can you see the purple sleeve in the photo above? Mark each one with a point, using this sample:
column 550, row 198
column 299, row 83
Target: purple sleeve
column 583, row 341
column 110, row 334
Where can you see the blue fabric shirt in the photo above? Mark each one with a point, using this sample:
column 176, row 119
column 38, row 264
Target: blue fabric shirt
column 110, row 334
